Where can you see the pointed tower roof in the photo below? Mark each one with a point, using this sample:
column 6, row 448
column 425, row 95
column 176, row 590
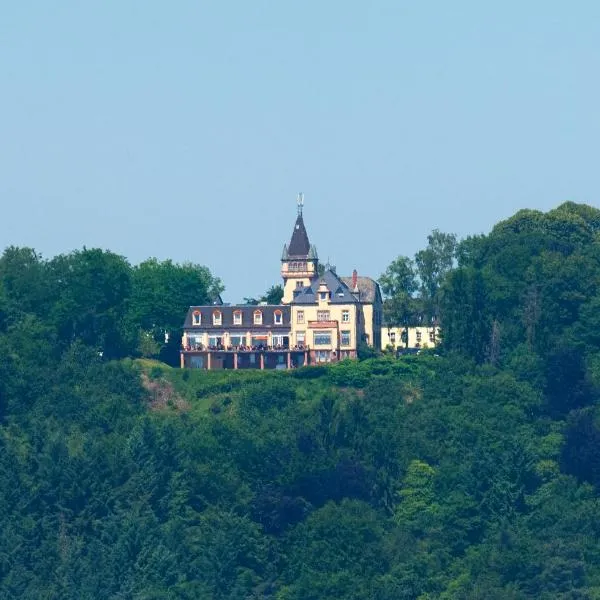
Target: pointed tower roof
column 299, row 246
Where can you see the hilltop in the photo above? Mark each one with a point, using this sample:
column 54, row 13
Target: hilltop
column 469, row 473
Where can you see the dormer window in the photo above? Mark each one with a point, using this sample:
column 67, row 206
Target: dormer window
column 237, row 317
column 258, row 317
column 324, row 296
column 196, row 318
column 217, row 317
column 278, row 317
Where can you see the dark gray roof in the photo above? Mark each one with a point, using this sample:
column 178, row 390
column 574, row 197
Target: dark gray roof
column 368, row 288
column 299, row 244
column 247, row 310
column 340, row 292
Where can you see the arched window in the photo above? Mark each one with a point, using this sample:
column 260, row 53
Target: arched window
column 217, row 317
column 237, row 317
column 196, row 318
column 278, row 317
column 258, row 317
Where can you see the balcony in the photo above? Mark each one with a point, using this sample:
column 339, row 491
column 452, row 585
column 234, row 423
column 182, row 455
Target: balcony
column 322, row 324
column 235, row 349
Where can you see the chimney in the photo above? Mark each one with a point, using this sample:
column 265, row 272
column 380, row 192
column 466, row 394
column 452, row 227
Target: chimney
column 354, row 281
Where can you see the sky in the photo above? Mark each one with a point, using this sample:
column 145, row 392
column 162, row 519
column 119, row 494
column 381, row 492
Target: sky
column 186, row 129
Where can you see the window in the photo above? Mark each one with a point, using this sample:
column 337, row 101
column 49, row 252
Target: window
column 197, row 362
column 322, row 356
column 237, row 317
column 214, row 341
column 323, row 338
column 324, row 296
column 257, row 317
column 345, row 338
column 217, row 317
column 277, row 340
column 300, row 316
column 238, row 340
column 299, row 284
column 432, row 336
column 345, row 316
column 297, row 266
column 418, row 336
column 196, row 318
column 322, row 315
column 300, row 338
column 393, row 337
column 278, row 317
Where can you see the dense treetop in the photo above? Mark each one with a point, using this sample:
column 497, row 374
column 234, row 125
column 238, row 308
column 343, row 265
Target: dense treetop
column 470, row 473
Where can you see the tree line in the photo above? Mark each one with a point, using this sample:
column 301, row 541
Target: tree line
column 471, row 473
column 97, row 298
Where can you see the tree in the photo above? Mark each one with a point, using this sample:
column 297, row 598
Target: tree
column 273, row 295
column 91, row 288
column 399, row 284
column 467, row 325
column 433, row 264
column 580, row 454
column 162, row 292
column 24, row 279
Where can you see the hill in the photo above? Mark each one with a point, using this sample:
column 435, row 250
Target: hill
column 472, row 474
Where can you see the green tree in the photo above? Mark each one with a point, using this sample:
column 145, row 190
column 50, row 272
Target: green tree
column 162, row 292
column 399, row 284
column 25, row 281
column 432, row 265
column 91, row 288
column 417, row 508
column 273, row 295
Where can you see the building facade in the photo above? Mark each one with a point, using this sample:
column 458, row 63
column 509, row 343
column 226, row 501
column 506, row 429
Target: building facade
column 322, row 318
column 412, row 338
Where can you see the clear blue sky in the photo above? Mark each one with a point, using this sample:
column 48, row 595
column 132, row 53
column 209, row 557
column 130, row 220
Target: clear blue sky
column 185, row 129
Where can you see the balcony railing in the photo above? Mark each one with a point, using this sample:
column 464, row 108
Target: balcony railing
column 323, row 324
column 259, row 348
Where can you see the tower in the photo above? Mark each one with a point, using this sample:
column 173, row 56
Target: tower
column 299, row 260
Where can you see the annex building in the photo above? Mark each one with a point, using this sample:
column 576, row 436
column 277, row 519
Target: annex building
column 322, row 318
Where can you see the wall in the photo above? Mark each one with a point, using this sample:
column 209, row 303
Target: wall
column 425, row 341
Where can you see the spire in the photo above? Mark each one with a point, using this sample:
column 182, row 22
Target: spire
column 299, row 245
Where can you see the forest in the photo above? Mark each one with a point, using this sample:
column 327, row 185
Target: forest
column 468, row 472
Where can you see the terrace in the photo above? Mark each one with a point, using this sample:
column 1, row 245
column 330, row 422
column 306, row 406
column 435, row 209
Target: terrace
column 259, row 356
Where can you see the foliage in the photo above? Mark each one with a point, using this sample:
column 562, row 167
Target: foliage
column 398, row 284
column 450, row 476
column 412, row 288
column 95, row 297
column 273, row 295
column 433, row 265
